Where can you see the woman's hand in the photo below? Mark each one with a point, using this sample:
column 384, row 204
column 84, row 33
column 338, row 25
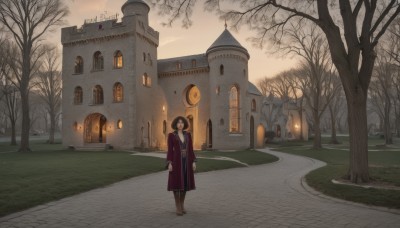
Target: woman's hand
column 170, row 167
column 194, row 166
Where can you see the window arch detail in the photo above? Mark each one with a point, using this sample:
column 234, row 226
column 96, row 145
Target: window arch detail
column 98, row 97
column 78, row 95
column 98, row 61
column 118, row 60
column 118, row 92
column 146, row 80
column 234, row 109
column 78, row 65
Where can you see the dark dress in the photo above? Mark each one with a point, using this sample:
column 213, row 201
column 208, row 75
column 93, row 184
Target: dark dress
column 182, row 175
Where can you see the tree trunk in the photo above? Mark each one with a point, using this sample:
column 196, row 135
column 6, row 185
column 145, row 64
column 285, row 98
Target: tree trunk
column 24, row 90
column 398, row 126
column 317, row 132
column 333, row 127
column 13, row 134
column 387, row 128
column 52, row 126
column 24, row 147
column 301, row 120
column 357, row 120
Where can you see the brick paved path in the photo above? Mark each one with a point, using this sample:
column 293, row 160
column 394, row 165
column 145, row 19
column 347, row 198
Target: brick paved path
column 270, row 195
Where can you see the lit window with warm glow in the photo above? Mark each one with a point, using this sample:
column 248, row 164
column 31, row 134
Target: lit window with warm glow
column 78, row 65
column 234, row 116
column 118, row 63
column 119, row 124
column 146, row 80
column 118, row 92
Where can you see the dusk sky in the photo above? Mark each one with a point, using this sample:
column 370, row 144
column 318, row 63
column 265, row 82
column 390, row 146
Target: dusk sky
column 177, row 41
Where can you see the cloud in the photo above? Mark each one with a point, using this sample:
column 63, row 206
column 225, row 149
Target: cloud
column 169, row 40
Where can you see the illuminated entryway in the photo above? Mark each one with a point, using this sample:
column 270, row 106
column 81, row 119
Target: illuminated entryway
column 260, row 136
column 95, row 128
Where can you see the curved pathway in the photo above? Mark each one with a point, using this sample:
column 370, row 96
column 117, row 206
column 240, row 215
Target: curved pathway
column 270, row 195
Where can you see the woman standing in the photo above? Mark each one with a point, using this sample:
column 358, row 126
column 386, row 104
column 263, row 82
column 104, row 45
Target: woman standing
column 181, row 162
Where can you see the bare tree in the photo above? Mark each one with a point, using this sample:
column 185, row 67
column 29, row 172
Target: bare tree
column 382, row 91
column 313, row 79
column 334, row 108
column 28, row 21
column 49, row 87
column 392, row 48
column 12, row 103
column 353, row 28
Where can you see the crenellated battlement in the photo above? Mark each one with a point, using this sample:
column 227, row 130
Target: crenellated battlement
column 93, row 30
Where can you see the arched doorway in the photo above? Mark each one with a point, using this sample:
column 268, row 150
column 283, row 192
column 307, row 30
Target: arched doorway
column 251, row 132
column 95, row 128
column 209, row 134
column 191, row 129
column 260, row 136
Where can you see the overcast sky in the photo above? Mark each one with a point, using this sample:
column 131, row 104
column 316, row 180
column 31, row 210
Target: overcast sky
column 178, row 41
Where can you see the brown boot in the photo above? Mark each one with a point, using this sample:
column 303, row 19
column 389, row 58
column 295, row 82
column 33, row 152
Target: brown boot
column 183, row 194
column 178, row 203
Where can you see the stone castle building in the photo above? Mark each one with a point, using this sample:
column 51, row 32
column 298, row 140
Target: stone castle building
column 117, row 92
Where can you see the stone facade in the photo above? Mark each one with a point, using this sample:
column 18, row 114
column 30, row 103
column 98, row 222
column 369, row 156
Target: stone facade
column 117, row 92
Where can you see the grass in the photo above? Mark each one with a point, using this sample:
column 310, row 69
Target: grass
column 384, row 167
column 50, row 173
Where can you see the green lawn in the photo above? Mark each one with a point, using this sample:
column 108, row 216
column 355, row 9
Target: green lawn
column 384, row 167
column 50, row 173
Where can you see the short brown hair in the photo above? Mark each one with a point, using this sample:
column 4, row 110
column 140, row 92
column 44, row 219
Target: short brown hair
column 175, row 121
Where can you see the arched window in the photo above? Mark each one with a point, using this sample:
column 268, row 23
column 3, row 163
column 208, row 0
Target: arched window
column 221, row 69
column 118, row 60
column 244, row 73
column 234, row 110
column 98, row 61
column 119, row 124
column 253, row 105
column 144, row 57
column 221, row 121
column 78, row 65
column 118, row 92
column 146, row 80
column 98, row 95
column 78, row 95
column 178, row 65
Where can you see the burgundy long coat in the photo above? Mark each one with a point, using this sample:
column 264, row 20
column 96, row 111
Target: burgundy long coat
column 175, row 178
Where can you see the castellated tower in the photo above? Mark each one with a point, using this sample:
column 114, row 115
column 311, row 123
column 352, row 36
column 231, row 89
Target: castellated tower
column 228, row 62
column 108, row 67
column 116, row 92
